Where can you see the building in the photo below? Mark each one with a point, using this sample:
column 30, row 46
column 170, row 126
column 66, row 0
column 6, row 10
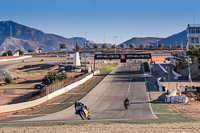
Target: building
column 193, row 35
column 157, row 59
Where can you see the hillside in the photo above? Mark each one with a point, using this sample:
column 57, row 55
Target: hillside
column 138, row 41
column 24, row 37
column 174, row 40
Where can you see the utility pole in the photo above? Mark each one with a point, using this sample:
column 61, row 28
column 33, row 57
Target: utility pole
column 85, row 55
column 189, row 76
column 115, row 43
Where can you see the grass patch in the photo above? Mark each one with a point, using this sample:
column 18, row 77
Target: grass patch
column 165, row 115
column 107, row 68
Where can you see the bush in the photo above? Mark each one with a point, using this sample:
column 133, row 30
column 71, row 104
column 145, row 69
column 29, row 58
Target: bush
column 52, row 77
column 8, row 80
column 146, row 67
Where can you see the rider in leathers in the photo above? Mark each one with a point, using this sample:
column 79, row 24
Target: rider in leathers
column 78, row 105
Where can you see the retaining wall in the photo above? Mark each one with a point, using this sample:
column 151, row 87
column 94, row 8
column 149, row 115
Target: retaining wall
column 19, row 106
column 23, row 57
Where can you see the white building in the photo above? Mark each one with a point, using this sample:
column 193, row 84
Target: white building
column 193, row 35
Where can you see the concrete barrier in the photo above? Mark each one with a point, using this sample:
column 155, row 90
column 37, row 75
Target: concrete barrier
column 159, row 84
column 19, row 106
column 176, row 74
column 175, row 99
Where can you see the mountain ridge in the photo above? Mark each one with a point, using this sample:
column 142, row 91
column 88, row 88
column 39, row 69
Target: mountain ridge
column 34, row 38
column 24, row 38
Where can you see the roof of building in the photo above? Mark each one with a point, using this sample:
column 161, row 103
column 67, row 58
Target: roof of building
column 158, row 58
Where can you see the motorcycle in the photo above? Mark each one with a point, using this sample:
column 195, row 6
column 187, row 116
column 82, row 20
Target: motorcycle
column 126, row 104
column 83, row 112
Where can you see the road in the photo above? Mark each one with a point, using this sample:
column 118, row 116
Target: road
column 5, row 66
column 105, row 101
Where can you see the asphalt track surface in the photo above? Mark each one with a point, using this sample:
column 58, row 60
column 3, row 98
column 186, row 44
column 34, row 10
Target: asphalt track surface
column 5, row 66
column 105, row 101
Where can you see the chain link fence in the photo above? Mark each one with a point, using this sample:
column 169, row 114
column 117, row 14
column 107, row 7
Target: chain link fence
column 56, row 86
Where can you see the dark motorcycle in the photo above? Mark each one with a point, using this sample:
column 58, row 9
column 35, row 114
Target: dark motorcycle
column 126, row 104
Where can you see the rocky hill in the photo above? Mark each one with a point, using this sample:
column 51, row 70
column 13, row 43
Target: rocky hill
column 24, row 38
column 138, row 41
column 174, row 40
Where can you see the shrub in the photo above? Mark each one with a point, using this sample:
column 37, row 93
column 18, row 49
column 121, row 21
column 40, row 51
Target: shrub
column 8, row 80
column 52, row 77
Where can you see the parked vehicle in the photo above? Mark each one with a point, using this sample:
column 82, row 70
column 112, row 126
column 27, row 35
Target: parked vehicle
column 39, row 86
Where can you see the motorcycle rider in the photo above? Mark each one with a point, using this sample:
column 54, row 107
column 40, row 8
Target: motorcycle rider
column 126, row 100
column 78, row 105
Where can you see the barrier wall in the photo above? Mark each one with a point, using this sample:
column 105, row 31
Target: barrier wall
column 19, row 106
column 159, row 84
column 175, row 99
column 2, row 60
column 176, row 74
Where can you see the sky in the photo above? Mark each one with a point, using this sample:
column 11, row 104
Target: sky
column 103, row 21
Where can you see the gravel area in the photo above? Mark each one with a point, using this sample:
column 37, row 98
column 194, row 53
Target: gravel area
column 111, row 128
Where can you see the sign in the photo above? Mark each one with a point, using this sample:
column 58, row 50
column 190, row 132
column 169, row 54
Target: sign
column 107, row 56
column 123, row 56
column 138, row 56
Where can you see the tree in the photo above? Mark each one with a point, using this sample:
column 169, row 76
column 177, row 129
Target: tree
column 20, row 52
column 113, row 46
column 52, row 77
column 10, row 53
column 8, row 80
column 30, row 50
column 88, row 46
column 151, row 47
column 132, row 46
column 104, row 46
column 142, row 46
column 161, row 45
column 123, row 46
column 77, row 47
column 62, row 46
column 95, row 46
column 4, row 54
column 170, row 47
column 180, row 46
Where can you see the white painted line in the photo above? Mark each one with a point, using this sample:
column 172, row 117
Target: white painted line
column 77, row 93
column 26, row 115
column 129, row 86
column 150, row 106
column 167, row 113
column 165, row 71
column 55, row 103
column 148, row 94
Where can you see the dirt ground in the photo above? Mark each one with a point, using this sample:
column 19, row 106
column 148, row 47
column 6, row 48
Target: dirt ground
column 26, row 75
column 191, row 109
column 29, row 74
column 110, row 128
